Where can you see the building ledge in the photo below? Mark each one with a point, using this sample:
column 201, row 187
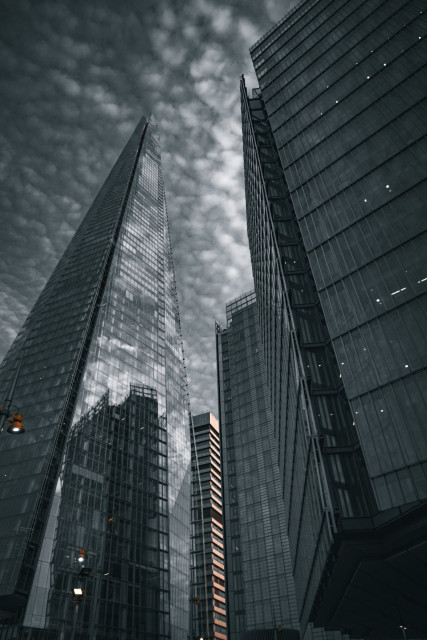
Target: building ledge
column 374, row 582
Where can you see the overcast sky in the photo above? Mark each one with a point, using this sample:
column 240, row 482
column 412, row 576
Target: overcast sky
column 76, row 76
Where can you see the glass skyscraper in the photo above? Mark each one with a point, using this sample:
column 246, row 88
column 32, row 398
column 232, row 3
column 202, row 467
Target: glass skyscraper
column 101, row 478
column 260, row 592
column 261, row 597
column 335, row 150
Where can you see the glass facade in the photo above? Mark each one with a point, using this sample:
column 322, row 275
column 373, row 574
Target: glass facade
column 260, row 593
column 334, row 144
column 207, row 535
column 347, row 109
column 261, row 597
column 106, row 324
column 306, row 399
column 115, row 466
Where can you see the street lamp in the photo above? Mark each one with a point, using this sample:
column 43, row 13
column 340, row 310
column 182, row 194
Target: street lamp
column 7, row 413
column 15, row 419
column 404, row 629
column 78, row 594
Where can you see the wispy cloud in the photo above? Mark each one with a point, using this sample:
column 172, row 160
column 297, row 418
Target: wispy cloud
column 76, row 77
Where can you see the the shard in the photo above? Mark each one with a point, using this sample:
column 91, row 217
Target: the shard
column 95, row 494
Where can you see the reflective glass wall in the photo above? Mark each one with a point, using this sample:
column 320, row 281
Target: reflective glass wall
column 261, row 596
column 343, row 87
column 260, row 591
column 111, row 538
column 310, row 499
column 108, row 319
column 335, row 148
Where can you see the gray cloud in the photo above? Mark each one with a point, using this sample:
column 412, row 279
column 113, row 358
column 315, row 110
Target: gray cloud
column 75, row 79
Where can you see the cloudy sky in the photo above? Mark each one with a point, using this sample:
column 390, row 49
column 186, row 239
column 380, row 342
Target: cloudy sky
column 75, row 78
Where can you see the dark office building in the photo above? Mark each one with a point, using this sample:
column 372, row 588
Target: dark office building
column 335, row 152
column 208, row 591
column 100, row 481
column 259, row 596
column 261, row 600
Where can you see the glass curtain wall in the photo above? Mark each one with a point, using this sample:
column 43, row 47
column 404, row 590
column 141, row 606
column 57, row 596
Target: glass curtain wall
column 261, row 597
column 107, row 319
column 260, row 592
column 319, row 452
column 343, row 86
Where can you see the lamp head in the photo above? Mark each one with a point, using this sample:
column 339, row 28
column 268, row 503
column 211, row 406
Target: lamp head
column 16, row 425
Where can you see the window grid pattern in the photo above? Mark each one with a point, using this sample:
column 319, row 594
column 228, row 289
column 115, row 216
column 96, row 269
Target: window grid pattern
column 308, row 505
column 207, row 552
column 51, row 348
column 306, row 391
column 347, row 106
column 260, row 589
column 114, row 506
column 126, row 332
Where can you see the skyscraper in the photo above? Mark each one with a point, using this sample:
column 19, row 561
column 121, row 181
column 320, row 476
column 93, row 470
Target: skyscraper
column 261, row 598
column 207, row 536
column 260, row 591
column 334, row 143
column 102, row 474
